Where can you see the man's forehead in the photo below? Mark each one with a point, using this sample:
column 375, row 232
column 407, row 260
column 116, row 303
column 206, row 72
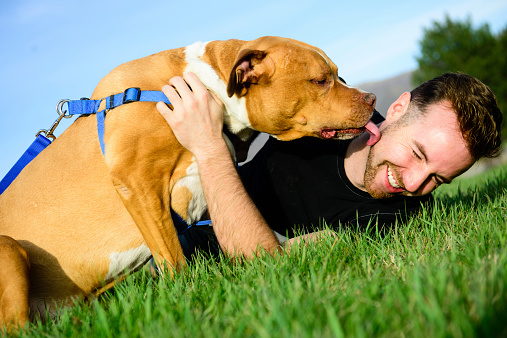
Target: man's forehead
column 439, row 116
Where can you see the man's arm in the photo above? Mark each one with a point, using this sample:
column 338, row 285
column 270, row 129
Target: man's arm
column 197, row 121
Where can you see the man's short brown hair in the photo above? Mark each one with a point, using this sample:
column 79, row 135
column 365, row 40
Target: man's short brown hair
column 475, row 105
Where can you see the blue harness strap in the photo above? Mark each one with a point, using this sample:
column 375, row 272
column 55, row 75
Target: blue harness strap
column 83, row 107
column 182, row 226
column 87, row 107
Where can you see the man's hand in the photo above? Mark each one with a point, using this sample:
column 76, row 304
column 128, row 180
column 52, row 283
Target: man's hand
column 197, row 117
column 197, row 120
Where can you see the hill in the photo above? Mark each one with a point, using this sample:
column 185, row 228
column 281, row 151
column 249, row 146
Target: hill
column 387, row 91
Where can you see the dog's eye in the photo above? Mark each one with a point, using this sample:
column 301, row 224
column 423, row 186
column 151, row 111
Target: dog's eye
column 320, row 82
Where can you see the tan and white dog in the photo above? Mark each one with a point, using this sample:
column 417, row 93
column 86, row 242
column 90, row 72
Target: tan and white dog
column 74, row 220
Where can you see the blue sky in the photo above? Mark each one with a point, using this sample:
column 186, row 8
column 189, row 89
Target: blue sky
column 53, row 49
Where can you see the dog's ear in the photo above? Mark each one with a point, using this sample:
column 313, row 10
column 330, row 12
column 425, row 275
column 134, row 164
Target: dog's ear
column 247, row 70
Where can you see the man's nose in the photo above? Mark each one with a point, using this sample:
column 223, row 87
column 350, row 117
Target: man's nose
column 416, row 179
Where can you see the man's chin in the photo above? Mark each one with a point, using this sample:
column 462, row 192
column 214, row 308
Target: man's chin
column 378, row 194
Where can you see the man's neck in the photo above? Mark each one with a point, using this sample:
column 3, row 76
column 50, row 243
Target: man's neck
column 355, row 161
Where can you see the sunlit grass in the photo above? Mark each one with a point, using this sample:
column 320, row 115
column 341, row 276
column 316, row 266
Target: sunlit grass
column 441, row 274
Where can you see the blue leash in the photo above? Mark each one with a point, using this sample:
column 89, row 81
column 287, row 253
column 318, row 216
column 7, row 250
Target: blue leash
column 87, row 107
column 40, row 143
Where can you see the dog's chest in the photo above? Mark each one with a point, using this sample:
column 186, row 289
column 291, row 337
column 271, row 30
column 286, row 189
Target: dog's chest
column 187, row 196
column 126, row 261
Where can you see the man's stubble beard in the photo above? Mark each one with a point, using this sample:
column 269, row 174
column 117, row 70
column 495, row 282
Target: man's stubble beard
column 372, row 169
column 370, row 173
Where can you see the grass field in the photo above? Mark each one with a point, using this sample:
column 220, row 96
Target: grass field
column 443, row 274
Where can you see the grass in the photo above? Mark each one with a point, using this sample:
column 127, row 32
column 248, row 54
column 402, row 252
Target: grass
column 442, row 274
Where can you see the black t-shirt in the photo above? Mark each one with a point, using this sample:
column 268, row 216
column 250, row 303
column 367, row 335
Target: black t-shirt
column 302, row 183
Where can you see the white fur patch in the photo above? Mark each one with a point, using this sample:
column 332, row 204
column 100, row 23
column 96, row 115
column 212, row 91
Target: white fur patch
column 197, row 206
column 235, row 115
column 192, row 182
column 127, row 261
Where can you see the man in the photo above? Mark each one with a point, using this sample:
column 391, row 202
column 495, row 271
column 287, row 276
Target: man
column 429, row 137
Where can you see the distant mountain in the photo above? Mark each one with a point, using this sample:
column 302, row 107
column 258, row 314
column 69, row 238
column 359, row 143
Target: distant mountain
column 387, row 91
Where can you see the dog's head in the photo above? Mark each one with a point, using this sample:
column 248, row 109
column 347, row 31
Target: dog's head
column 293, row 90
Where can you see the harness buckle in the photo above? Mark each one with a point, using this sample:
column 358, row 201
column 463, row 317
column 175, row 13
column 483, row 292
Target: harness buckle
column 61, row 114
column 131, row 95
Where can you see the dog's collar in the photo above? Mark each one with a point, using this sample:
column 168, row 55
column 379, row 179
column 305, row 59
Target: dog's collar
column 83, row 106
column 86, row 106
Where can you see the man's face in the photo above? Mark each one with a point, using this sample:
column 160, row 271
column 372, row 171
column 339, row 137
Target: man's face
column 417, row 154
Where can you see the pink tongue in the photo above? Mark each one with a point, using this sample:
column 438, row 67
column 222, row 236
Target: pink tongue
column 372, row 129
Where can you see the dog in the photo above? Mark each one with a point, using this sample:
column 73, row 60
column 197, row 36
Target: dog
column 76, row 220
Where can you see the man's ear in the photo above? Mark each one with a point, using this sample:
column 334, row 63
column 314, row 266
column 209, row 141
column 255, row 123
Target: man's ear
column 398, row 107
column 249, row 68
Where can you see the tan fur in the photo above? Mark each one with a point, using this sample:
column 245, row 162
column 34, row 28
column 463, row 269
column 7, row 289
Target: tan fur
column 71, row 207
column 180, row 205
column 13, row 284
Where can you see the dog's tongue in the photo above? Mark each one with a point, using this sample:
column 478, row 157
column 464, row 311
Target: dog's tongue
column 372, row 129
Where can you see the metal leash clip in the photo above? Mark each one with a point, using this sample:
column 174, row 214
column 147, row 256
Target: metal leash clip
column 61, row 114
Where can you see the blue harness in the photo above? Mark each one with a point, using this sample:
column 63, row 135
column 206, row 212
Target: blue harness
column 86, row 107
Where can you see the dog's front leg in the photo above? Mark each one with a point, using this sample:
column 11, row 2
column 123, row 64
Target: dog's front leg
column 14, row 285
column 148, row 202
column 143, row 162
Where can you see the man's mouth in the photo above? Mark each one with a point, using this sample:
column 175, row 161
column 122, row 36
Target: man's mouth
column 392, row 184
column 346, row 134
column 392, row 180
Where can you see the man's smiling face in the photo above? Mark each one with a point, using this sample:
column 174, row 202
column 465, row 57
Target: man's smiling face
column 416, row 153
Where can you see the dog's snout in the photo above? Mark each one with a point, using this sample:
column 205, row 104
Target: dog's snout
column 370, row 99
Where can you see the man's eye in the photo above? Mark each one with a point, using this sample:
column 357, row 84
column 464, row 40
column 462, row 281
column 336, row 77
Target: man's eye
column 416, row 155
column 437, row 181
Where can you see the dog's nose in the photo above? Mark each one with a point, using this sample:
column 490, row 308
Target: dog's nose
column 370, row 99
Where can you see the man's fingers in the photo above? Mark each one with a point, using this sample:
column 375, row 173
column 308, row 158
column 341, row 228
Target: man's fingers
column 217, row 100
column 199, row 89
column 195, row 84
column 164, row 109
column 173, row 96
column 181, row 87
